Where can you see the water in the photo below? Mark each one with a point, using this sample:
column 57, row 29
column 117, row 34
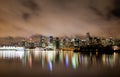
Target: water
column 36, row 63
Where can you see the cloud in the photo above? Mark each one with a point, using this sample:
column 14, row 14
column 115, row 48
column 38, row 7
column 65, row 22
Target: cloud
column 116, row 10
column 30, row 4
column 59, row 17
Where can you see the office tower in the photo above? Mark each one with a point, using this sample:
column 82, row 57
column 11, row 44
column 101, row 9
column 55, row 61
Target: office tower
column 57, row 43
column 50, row 39
column 42, row 42
column 50, row 43
column 24, row 43
column 89, row 39
column 75, row 42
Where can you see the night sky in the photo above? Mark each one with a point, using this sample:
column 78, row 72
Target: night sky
column 59, row 17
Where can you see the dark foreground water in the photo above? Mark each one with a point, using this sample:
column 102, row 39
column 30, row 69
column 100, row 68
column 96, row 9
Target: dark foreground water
column 37, row 63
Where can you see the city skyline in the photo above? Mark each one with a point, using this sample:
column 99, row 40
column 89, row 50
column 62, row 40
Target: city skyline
column 59, row 38
column 59, row 17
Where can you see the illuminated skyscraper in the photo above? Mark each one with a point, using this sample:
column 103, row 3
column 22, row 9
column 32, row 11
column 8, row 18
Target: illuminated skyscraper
column 24, row 43
column 50, row 43
column 89, row 38
column 42, row 41
column 57, row 43
column 50, row 39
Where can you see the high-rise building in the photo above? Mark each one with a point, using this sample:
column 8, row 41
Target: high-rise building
column 66, row 42
column 50, row 43
column 24, row 43
column 57, row 43
column 75, row 42
column 50, row 39
column 89, row 38
column 42, row 42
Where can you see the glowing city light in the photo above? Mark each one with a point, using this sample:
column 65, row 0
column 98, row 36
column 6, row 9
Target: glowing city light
column 67, row 61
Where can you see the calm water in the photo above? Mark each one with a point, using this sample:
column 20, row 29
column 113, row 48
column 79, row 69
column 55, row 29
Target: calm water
column 36, row 63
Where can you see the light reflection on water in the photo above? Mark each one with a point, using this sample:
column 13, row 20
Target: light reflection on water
column 51, row 59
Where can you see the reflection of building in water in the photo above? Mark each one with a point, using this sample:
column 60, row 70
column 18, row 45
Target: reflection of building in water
column 48, row 58
column 69, row 59
column 40, row 58
column 75, row 61
column 110, row 59
column 11, row 52
column 55, row 59
column 107, row 59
